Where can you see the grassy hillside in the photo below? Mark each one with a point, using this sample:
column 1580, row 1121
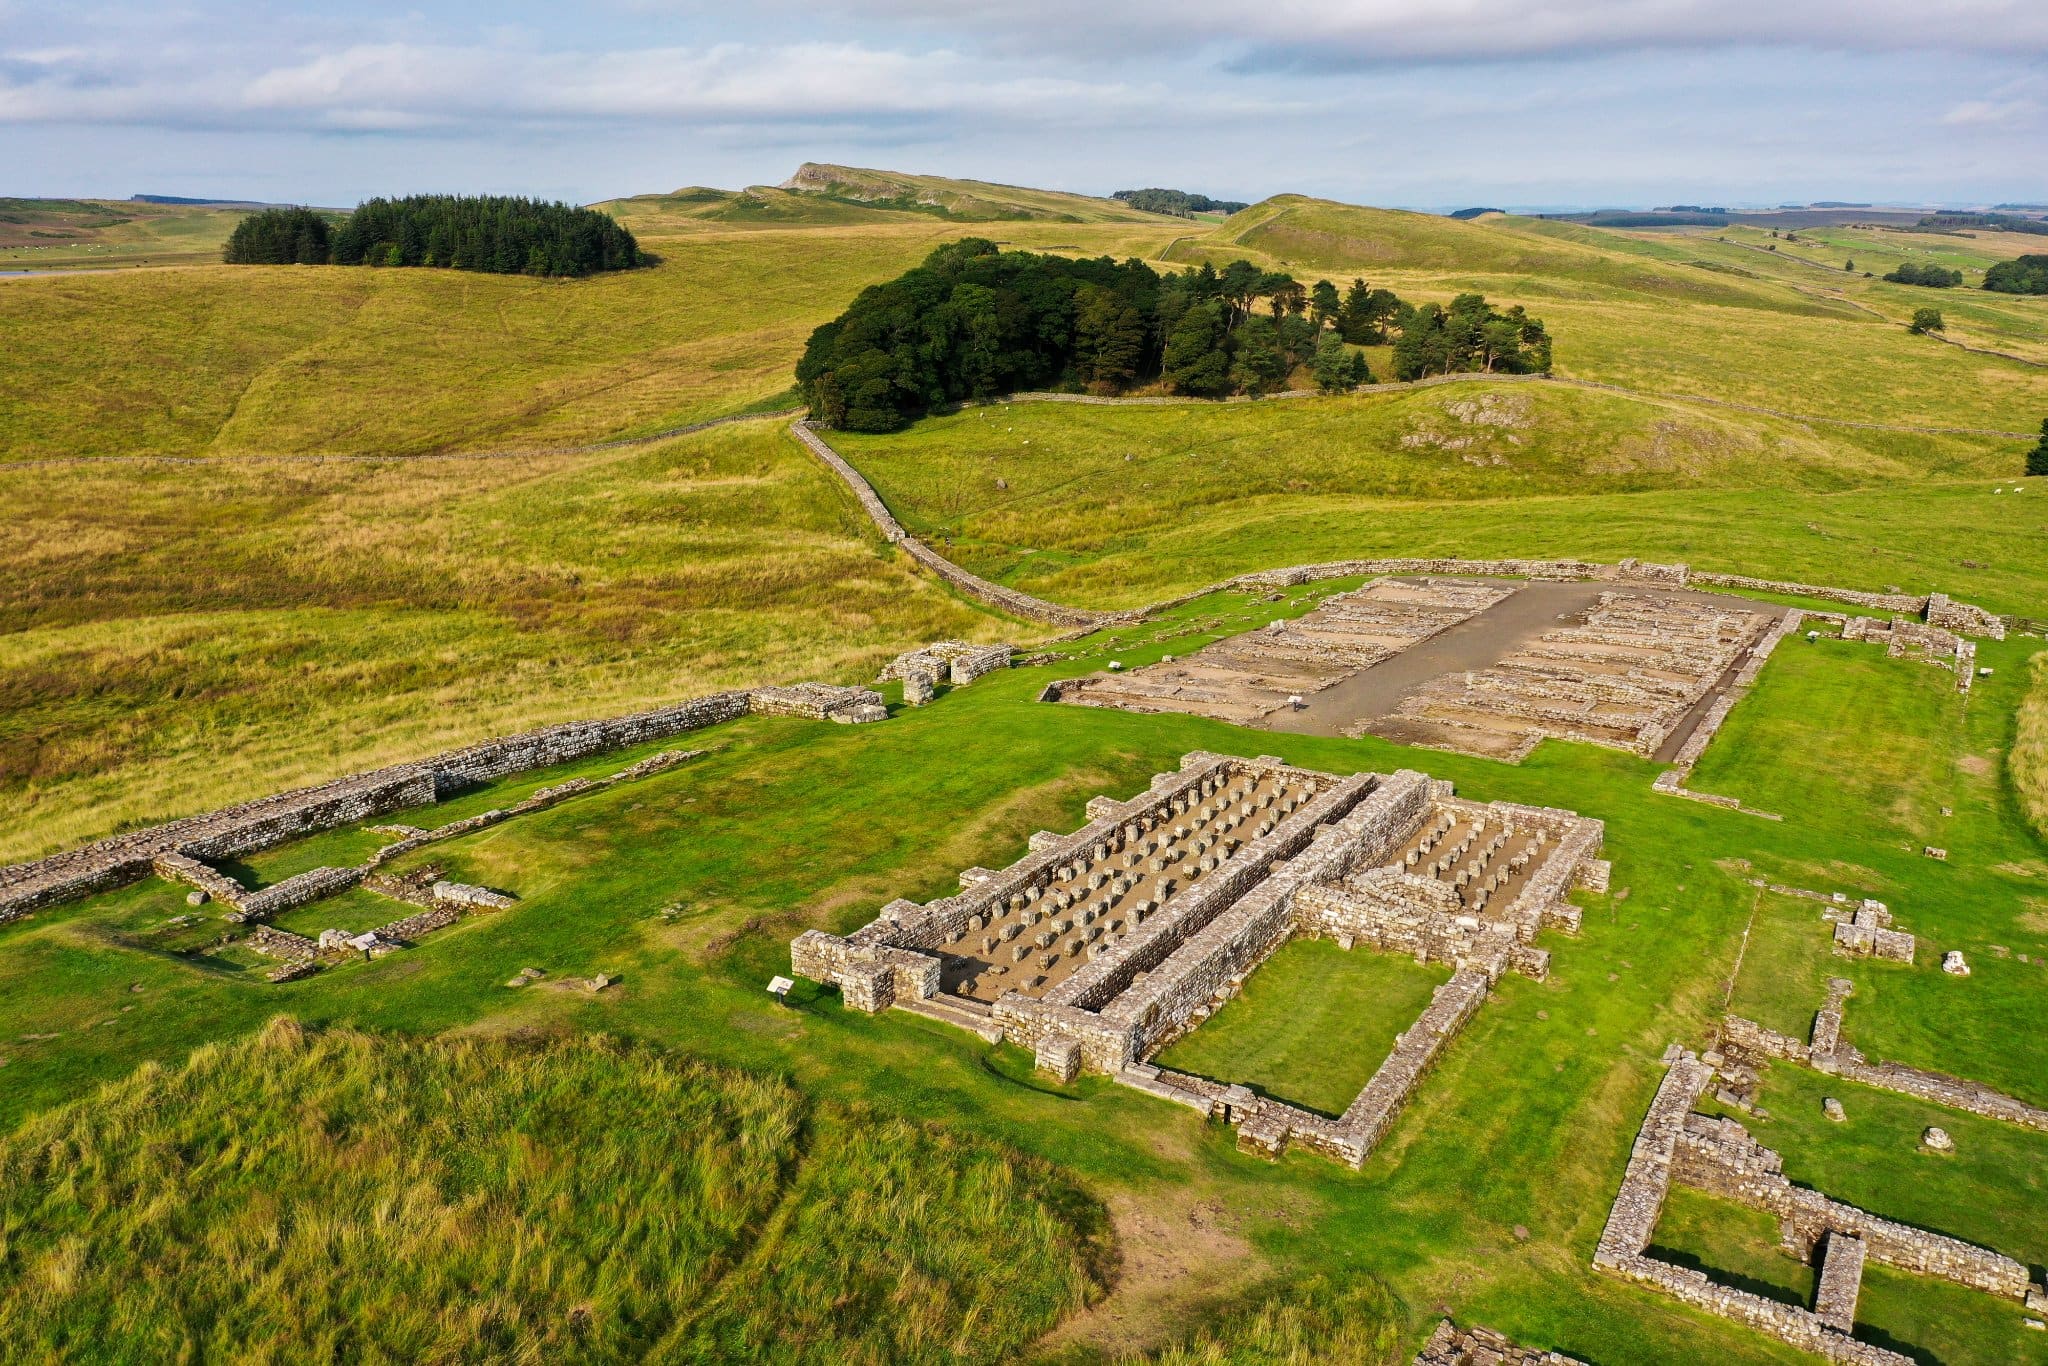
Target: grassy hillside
column 500, row 1201
column 1680, row 314
column 1488, row 1194
column 967, row 200
column 95, row 234
column 838, row 196
column 248, row 360
column 330, row 616
column 1121, row 506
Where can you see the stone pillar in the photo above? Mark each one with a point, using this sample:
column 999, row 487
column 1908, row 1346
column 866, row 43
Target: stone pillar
column 917, row 686
column 1841, row 1280
column 1059, row 1055
column 869, row 987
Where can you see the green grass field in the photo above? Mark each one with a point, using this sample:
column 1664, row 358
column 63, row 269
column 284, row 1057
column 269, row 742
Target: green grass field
column 174, row 636
column 337, row 616
column 106, row 234
column 1312, row 1024
column 687, row 886
column 202, row 1211
column 2030, row 748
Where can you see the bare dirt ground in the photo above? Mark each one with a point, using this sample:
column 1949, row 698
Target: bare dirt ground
column 1180, row 1251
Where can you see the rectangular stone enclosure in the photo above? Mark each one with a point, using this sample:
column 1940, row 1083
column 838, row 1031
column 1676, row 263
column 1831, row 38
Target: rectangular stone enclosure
column 1100, row 947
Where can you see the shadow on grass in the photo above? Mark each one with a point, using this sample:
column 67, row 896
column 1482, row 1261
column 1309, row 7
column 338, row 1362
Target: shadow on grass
column 1877, row 1337
column 990, row 1062
column 1262, row 1092
column 1731, row 1279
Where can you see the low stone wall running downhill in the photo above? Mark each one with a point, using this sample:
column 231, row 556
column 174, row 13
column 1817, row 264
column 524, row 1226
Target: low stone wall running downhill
column 973, row 585
column 250, row 826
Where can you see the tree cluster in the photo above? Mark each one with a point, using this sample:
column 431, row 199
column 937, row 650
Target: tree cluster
column 1997, row 222
column 496, row 234
column 1933, row 277
column 279, row 237
column 1470, row 335
column 973, row 322
column 1179, row 203
column 2037, row 458
column 2021, row 275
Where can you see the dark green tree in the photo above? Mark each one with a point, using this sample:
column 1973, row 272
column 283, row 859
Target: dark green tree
column 2037, row 458
column 1323, row 303
column 279, row 237
column 1258, row 365
column 1336, row 366
column 1925, row 320
column 1196, row 360
column 2021, row 275
column 1931, row 277
column 1109, row 338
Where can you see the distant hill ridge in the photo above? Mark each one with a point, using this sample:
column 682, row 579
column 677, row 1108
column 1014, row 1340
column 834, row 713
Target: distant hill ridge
column 821, row 194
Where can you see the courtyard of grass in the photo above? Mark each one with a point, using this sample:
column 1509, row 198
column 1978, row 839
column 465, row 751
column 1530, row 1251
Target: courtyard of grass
column 1311, row 1025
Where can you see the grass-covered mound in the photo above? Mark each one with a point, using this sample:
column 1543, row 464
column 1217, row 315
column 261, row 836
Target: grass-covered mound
column 317, row 1195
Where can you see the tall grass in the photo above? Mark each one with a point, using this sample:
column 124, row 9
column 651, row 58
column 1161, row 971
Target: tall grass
column 1316, row 1320
column 904, row 1243
column 2029, row 761
column 318, row 1195
column 174, row 640
column 324, row 1195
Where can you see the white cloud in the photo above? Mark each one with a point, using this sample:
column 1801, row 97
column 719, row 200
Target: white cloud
column 1335, row 32
column 402, row 85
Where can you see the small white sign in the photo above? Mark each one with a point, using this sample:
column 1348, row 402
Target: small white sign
column 779, row 986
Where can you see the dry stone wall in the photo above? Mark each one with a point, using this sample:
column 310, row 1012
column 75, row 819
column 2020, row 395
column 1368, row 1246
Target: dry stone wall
column 1719, row 1155
column 955, row 661
column 1826, row 1051
column 251, row 826
column 973, row 585
column 1451, row 1345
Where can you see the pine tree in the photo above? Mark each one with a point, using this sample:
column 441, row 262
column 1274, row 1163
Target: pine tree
column 2037, row 458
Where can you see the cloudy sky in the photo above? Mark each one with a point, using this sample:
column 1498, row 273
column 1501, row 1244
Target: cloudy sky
column 1428, row 103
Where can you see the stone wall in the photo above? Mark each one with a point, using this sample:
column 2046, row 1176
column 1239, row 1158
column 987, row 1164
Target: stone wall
column 1211, row 949
column 955, row 661
column 1719, row 1156
column 262, row 824
column 1632, row 1223
column 1450, row 1345
column 297, row 891
column 1841, row 1281
column 973, row 585
column 1965, row 619
column 1827, row 1052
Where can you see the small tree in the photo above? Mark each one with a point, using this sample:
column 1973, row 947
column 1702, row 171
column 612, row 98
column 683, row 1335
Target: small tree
column 1323, row 303
column 1925, row 320
column 1849, row 264
column 1333, row 365
column 2037, row 458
